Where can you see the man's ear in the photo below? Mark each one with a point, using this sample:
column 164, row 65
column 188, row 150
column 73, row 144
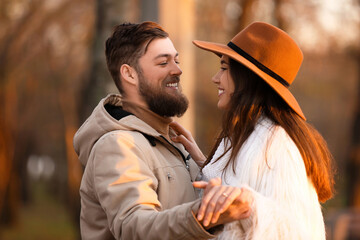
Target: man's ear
column 129, row 74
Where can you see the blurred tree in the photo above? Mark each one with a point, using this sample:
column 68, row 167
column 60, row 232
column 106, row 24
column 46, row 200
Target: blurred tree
column 14, row 25
column 353, row 165
column 99, row 82
column 245, row 16
column 354, row 161
column 43, row 48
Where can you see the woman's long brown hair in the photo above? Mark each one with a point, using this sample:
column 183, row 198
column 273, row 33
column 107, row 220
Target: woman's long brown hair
column 254, row 98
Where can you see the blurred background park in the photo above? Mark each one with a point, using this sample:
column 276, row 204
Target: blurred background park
column 53, row 73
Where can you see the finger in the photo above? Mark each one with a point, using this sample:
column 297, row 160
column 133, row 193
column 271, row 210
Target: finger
column 207, row 218
column 223, row 198
column 190, row 146
column 215, row 182
column 211, row 205
column 245, row 197
column 208, row 195
column 181, row 139
column 175, row 126
column 223, row 194
column 246, row 214
column 216, row 212
column 200, row 184
column 224, row 202
column 179, row 129
column 232, row 195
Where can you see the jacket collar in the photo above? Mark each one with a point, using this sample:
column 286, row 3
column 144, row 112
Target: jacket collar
column 157, row 122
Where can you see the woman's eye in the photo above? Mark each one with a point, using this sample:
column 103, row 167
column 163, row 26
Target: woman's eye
column 163, row 63
column 223, row 68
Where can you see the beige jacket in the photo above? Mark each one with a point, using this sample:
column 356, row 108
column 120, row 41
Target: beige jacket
column 136, row 184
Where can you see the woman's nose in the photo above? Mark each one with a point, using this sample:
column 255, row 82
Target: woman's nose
column 216, row 78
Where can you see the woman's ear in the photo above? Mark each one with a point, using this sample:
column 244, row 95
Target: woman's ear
column 129, row 74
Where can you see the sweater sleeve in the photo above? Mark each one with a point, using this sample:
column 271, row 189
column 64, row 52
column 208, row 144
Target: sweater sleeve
column 126, row 186
column 284, row 198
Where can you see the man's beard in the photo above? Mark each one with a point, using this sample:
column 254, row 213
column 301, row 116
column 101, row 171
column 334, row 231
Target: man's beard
column 161, row 102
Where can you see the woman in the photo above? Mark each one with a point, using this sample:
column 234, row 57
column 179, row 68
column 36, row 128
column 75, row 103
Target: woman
column 265, row 145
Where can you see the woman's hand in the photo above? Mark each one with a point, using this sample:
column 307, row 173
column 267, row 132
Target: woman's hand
column 223, row 204
column 185, row 138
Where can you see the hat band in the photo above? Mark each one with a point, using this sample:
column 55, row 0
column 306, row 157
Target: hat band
column 258, row 64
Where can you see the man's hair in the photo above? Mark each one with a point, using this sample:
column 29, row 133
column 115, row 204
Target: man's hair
column 127, row 44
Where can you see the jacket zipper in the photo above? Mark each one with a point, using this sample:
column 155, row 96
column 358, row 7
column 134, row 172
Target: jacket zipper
column 185, row 159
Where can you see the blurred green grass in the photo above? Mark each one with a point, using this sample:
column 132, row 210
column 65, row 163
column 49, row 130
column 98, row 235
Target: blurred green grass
column 43, row 219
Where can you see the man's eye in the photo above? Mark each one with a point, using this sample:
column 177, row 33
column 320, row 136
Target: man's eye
column 163, row 63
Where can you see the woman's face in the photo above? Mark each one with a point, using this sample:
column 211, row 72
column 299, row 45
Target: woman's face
column 224, row 83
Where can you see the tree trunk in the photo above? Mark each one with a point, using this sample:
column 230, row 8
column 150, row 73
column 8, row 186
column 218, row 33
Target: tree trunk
column 6, row 168
column 279, row 11
column 353, row 166
column 108, row 14
column 74, row 170
column 246, row 15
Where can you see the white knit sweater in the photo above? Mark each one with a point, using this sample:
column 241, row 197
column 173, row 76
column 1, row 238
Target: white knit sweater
column 285, row 205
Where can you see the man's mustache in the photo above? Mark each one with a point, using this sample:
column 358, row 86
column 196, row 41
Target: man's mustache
column 172, row 79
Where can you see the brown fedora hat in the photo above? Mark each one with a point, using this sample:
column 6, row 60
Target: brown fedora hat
column 269, row 52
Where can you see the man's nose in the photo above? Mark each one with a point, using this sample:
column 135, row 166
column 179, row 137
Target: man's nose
column 176, row 70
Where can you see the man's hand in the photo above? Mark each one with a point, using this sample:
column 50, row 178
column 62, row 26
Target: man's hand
column 223, row 204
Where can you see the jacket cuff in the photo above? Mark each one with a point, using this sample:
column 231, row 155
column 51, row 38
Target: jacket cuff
column 210, row 233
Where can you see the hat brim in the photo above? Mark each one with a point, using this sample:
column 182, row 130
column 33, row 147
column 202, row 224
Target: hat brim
column 221, row 49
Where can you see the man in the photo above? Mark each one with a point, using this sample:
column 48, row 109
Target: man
column 137, row 183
